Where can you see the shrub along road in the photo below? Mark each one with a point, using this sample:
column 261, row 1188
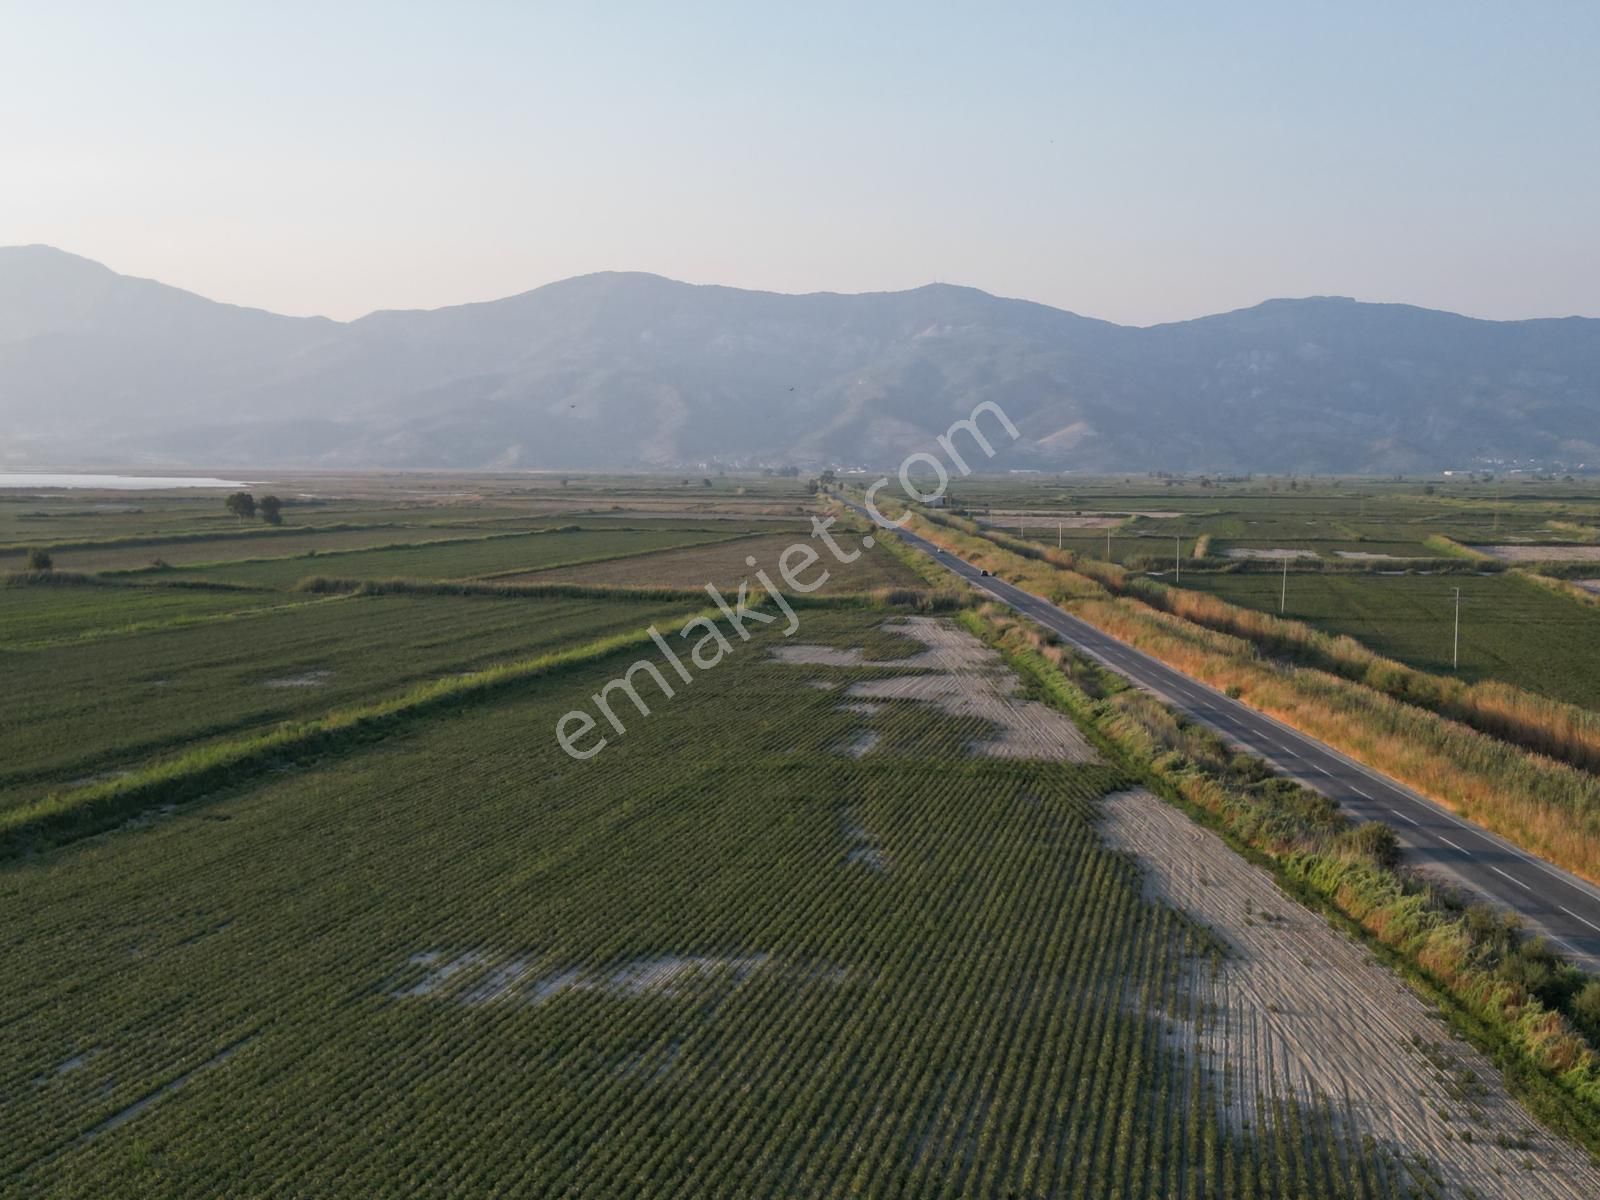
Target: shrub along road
column 1552, row 902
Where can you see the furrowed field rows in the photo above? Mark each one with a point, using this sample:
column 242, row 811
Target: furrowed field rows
column 100, row 708
column 57, row 614
column 456, row 559
column 1511, row 630
column 724, row 565
column 25, row 518
column 221, row 548
column 668, row 971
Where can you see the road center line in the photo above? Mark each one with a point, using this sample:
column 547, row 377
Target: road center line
column 1513, row 878
column 1576, row 917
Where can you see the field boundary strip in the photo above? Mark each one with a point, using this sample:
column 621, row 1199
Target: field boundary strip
column 490, row 576
column 320, row 554
column 922, row 599
column 136, row 628
column 82, row 812
column 132, row 541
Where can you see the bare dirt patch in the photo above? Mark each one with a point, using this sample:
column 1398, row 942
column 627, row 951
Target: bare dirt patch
column 1515, row 554
column 862, row 744
column 1589, row 585
column 805, row 654
column 1367, row 556
column 862, row 850
column 862, row 708
column 307, row 679
column 475, row 977
column 965, row 678
column 1037, row 518
column 1295, row 1010
column 1275, row 554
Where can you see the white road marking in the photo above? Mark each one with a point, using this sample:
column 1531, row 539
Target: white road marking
column 1449, row 843
column 1400, row 814
column 1513, row 878
column 1576, row 917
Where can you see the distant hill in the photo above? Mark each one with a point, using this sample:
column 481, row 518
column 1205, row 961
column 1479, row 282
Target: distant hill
column 630, row 370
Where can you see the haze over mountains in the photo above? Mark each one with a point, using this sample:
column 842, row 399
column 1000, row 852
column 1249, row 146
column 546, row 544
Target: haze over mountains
column 629, row 370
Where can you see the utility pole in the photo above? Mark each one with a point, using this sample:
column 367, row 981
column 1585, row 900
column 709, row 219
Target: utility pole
column 1108, row 543
column 1283, row 595
column 1177, row 557
column 1455, row 651
column 1058, row 535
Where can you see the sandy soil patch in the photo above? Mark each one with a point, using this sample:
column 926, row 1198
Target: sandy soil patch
column 965, row 678
column 1036, row 519
column 862, row 850
column 307, row 679
column 1275, row 555
column 1367, row 556
column 1514, row 554
column 1297, row 1010
column 474, row 977
column 805, row 654
column 860, row 745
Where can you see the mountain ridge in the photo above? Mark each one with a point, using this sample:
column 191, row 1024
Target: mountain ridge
column 631, row 369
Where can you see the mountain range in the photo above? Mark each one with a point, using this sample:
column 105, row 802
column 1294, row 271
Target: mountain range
column 624, row 370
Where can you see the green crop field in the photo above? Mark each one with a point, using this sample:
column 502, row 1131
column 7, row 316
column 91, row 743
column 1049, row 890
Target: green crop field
column 36, row 614
column 255, row 543
column 455, row 558
column 300, row 895
column 1510, row 629
column 1325, row 517
column 76, row 711
column 719, row 959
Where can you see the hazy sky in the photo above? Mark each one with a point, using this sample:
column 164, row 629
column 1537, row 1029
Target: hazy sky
column 1134, row 161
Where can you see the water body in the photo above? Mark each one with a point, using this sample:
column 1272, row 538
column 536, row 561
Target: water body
column 117, row 483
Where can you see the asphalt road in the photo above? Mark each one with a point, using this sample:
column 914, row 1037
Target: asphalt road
column 1552, row 902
